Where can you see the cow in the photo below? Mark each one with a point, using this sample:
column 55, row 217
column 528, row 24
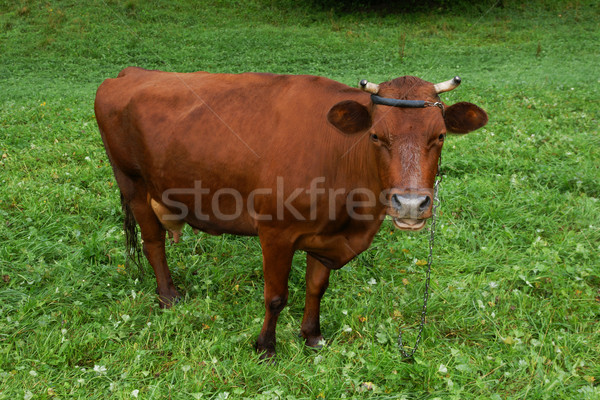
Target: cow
column 303, row 162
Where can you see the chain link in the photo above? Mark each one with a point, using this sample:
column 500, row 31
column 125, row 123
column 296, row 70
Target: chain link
column 436, row 204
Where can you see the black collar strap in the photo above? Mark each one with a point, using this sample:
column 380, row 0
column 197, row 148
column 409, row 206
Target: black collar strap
column 405, row 103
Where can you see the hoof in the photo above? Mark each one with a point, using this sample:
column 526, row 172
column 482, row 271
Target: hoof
column 169, row 300
column 315, row 342
column 266, row 355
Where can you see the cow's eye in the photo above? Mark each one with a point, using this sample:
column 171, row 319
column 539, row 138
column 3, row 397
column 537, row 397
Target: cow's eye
column 442, row 137
column 374, row 137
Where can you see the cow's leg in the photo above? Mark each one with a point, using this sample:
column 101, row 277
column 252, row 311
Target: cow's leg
column 153, row 237
column 317, row 280
column 277, row 262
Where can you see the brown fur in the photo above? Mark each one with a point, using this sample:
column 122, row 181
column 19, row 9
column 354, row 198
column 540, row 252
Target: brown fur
column 169, row 136
column 464, row 118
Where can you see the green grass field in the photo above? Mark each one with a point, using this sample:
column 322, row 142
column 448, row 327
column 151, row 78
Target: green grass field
column 515, row 305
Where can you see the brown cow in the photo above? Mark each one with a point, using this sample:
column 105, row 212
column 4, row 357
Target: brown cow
column 304, row 162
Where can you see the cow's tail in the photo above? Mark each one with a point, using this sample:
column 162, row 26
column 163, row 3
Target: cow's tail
column 132, row 244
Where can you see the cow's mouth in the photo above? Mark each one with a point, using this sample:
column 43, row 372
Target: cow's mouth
column 407, row 224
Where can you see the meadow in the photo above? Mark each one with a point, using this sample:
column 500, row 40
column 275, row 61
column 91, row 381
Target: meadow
column 514, row 309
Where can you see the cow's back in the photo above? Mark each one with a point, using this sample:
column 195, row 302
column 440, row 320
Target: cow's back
column 270, row 124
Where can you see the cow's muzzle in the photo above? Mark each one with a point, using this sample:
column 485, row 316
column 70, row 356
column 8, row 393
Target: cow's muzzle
column 410, row 209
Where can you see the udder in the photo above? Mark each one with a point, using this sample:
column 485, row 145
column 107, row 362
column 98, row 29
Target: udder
column 165, row 216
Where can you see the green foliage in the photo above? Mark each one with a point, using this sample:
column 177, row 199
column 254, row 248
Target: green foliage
column 516, row 279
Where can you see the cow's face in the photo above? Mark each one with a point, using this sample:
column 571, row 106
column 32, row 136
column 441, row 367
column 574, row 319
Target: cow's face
column 407, row 143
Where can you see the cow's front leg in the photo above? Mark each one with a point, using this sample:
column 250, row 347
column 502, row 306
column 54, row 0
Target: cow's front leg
column 277, row 262
column 317, row 280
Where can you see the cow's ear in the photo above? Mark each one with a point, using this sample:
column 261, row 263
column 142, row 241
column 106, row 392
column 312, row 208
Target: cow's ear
column 464, row 117
column 349, row 117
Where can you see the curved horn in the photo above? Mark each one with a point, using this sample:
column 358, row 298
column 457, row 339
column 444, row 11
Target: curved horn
column 448, row 85
column 370, row 87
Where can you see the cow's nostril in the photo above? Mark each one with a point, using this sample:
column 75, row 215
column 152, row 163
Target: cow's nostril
column 425, row 203
column 396, row 202
column 410, row 205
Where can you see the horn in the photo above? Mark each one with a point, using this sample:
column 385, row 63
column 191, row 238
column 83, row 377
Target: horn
column 448, row 85
column 370, row 87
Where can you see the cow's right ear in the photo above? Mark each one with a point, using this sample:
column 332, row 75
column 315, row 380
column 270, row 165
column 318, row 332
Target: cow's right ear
column 350, row 117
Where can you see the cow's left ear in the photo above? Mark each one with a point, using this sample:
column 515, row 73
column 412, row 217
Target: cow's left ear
column 464, row 118
column 349, row 117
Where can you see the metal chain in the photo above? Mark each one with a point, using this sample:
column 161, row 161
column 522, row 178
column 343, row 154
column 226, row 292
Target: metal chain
column 436, row 204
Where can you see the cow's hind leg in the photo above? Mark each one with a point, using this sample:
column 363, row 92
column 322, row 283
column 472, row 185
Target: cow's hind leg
column 277, row 262
column 153, row 237
column 317, row 281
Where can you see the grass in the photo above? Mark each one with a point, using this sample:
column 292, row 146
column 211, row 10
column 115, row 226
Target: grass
column 514, row 309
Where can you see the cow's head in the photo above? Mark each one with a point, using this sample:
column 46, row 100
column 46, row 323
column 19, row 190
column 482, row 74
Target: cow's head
column 407, row 141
